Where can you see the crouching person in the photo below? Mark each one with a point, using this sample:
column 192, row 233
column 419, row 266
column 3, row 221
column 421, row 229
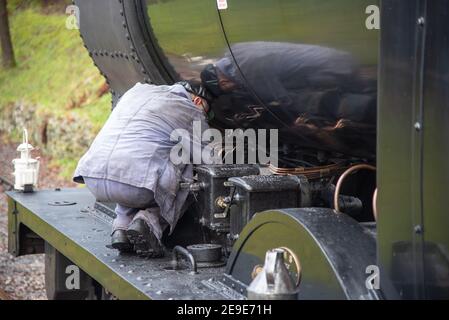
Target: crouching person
column 129, row 162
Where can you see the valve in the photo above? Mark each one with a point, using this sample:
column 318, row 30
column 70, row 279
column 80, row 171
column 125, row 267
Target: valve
column 192, row 186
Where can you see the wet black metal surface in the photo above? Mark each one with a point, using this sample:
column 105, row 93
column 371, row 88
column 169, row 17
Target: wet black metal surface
column 74, row 231
column 314, row 79
column 333, row 249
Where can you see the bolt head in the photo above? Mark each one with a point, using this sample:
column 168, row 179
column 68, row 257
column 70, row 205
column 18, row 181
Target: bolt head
column 418, row 229
column 418, row 126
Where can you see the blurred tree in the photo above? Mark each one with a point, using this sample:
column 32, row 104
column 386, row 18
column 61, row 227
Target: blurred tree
column 46, row 3
column 5, row 37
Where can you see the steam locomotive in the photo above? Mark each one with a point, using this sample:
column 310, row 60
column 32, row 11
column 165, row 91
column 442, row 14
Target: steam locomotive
column 355, row 207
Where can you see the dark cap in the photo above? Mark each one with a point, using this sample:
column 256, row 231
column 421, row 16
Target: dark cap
column 209, row 79
column 197, row 89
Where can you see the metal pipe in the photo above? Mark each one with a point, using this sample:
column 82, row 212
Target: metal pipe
column 178, row 250
column 343, row 177
column 375, row 204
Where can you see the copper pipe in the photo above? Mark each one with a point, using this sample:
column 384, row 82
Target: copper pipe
column 375, row 204
column 343, row 177
column 310, row 173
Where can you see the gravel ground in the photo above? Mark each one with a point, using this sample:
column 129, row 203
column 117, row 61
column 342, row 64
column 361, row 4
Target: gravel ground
column 22, row 277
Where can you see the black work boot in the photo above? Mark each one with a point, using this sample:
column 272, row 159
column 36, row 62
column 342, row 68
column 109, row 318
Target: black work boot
column 144, row 241
column 120, row 241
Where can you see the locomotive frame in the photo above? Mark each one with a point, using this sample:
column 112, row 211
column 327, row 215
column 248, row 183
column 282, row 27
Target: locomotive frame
column 410, row 243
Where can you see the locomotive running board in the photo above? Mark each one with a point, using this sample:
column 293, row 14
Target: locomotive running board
column 62, row 219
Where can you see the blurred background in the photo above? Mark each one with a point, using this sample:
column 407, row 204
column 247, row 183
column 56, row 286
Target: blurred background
column 49, row 85
column 54, row 89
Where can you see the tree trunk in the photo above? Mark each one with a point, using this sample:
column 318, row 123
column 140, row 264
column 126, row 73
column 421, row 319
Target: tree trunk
column 5, row 37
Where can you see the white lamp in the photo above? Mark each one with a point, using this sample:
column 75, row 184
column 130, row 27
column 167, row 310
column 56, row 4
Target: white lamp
column 26, row 169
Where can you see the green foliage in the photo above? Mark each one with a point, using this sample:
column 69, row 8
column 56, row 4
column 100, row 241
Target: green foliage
column 14, row 5
column 54, row 69
column 55, row 81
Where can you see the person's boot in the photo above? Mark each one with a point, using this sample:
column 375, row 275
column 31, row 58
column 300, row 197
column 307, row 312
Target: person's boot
column 144, row 241
column 120, row 241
